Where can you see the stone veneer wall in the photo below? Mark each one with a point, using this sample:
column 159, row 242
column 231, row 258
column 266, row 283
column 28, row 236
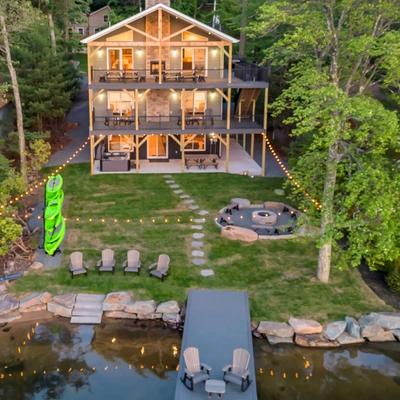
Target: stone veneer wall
column 157, row 103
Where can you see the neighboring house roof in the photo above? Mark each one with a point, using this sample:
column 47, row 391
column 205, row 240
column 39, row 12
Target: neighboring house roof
column 168, row 10
column 100, row 9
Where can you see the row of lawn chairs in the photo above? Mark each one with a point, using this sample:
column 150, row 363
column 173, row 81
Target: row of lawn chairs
column 196, row 372
column 107, row 263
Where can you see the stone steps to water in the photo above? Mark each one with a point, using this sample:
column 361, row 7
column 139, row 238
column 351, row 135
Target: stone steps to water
column 88, row 309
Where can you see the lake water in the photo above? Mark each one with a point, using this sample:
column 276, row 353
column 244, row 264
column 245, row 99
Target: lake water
column 125, row 360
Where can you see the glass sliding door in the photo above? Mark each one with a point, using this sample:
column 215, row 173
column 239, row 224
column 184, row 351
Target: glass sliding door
column 120, row 59
column 157, row 146
column 113, row 59
column 194, row 59
column 195, row 102
column 127, row 59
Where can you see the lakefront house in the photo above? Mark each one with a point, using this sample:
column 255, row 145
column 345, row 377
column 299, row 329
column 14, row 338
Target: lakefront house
column 167, row 95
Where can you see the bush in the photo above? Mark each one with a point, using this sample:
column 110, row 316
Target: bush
column 393, row 277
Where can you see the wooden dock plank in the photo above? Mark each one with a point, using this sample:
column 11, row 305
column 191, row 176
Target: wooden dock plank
column 216, row 323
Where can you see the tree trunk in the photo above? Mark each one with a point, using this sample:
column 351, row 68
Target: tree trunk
column 17, row 99
column 325, row 252
column 243, row 26
column 52, row 33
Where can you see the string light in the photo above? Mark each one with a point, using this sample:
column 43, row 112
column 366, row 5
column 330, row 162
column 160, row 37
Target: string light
column 291, row 178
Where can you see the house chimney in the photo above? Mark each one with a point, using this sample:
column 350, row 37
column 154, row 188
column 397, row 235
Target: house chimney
column 151, row 3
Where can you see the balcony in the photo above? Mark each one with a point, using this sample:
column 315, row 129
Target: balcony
column 176, row 124
column 246, row 75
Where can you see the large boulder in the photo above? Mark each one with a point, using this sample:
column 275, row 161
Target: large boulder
column 386, row 320
column 278, row 329
column 369, row 327
column 141, row 308
column 272, row 340
column 116, row 301
column 345, row 338
column 10, row 317
column 334, row 329
column 239, row 233
column 8, row 304
column 353, row 327
column 168, row 307
column 305, row 326
column 314, row 340
column 385, row 336
column 34, row 302
column 120, row 315
column 171, row 318
column 62, row 305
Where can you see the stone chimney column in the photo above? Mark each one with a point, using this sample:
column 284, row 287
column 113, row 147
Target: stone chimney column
column 151, row 3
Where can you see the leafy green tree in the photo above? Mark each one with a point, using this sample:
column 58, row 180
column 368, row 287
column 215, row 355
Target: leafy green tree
column 340, row 53
column 10, row 232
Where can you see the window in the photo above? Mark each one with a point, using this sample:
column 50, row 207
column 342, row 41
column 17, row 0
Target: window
column 193, row 37
column 196, row 143
column 121, row 103
column 106, row 18
column 120, row 143
column 81, row 31
column 195, row 102
column 194, row 59
column 157, row 146
column 97, row 30
column 119, row 59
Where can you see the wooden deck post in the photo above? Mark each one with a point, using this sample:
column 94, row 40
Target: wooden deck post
column 137, row 109
column 240, row 110
column 244, row 142
column 227, row 151
column 263, row 160
column 183, row 116
column 137, row 153
column 228, row 127
column 91, row 154
column 263, row 153
column 253, row 111
column 252, row 146
column 182, row 140
column 230, row 64
column 159, row 45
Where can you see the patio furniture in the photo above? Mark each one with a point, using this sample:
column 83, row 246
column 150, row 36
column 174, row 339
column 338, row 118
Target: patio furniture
column 115, row 162
column 107, row 262
column 132, row 263
column 76, row 264
column 195, row 372
column 192, row 160
column 115, row 76
column 215, row 386
column 210, row 160
column 238, row 371
column 161, row 267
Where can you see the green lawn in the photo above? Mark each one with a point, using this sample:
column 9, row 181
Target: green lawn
column 279, row 275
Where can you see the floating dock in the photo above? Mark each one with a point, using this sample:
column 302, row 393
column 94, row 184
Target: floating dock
column 216, row 323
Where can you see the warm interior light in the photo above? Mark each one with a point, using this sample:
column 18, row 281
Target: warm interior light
column 174, row 53
column 214, row 52
column 139, row 52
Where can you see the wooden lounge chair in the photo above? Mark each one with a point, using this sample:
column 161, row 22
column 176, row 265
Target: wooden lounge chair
column 132, row 263
column 195, row 372
column 76, row 264
column 161, row 267
column 238, row 371
column 107, row 262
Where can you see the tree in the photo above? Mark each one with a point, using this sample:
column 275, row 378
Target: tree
column 341, row 52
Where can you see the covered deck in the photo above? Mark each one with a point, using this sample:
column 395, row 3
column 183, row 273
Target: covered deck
column 217, row 322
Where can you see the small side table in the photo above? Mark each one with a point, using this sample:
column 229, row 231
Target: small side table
column 214, row 386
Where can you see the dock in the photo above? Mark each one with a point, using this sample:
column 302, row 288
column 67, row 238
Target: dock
column 217, row 322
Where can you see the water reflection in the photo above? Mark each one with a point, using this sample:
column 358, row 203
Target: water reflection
column 288, row 372
column 55, row 360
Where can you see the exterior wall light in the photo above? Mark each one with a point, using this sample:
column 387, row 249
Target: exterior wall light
column 214, row 52
column 174, row 53
column 139, row 52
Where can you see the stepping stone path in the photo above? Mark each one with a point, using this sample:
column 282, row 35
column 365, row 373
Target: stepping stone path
column 197, row 253
column 88, row 309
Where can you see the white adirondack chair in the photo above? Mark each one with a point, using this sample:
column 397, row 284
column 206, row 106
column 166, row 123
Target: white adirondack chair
column 195, row 372
column 132, row 263
column 238, row 371
column 161, row 267
column 76, row 264
column 107, row 262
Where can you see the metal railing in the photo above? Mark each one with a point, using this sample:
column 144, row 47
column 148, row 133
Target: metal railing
column 251, row 72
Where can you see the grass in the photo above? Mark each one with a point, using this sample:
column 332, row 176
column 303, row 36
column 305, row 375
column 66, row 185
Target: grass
column 279, row 275
column 82, row 58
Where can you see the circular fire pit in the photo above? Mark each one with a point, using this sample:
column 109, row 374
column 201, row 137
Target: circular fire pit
column 264, row 217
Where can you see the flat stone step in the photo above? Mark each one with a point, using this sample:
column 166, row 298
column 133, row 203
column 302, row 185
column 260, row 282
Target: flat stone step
column 170, row 181
column 83, row 312
column 86, row 319
column 193, row 207
column 199, row 220
column 167, row 176
column 174, row 186
column 197, row 227
column 89, row 305
column 197, row 243
column 198, row 253
column 198, row 235
column 184, row 196
column 90, row 297
column 188, row 201
column 198, row 261
column 207, row 272
column 178, row 191
column 203, row 212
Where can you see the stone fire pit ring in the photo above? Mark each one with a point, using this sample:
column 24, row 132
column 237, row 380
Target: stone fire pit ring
column 264, row 217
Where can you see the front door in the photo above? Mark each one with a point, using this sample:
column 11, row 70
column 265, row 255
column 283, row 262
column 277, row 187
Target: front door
column 157, row 146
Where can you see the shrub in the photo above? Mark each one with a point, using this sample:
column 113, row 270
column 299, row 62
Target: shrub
column 393, row 277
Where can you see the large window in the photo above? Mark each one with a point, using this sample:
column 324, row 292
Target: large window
column 121, row 103
column 120, row 59
column 117, row 143
column 157, row 146
column 194, row 59
column 195, row 102
column 193, row 37
column 196, row 142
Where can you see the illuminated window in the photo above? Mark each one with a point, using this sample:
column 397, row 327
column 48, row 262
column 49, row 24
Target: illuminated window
column 120, row 143
column 157, row 146
column 121, row 103
column 195, row 102
column 193, row 37
column 196, row 143
column 119, row 59
column 194, row 59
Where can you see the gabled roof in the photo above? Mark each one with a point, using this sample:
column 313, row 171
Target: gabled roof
column 100, row 9
column 167, row 9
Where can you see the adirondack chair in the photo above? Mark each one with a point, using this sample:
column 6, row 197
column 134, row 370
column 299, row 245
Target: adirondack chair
column 195, row 372
column 238, row 371
column 76, row 264
column 161, row 267
column 132, row 263
column 107, row 262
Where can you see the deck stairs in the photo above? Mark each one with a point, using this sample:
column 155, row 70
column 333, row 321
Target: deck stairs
column 88, row 309
column 246, row 97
